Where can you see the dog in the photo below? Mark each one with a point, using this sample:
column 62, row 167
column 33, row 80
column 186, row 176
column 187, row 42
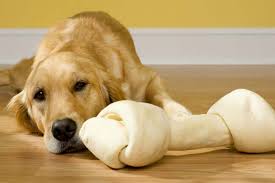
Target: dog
column 83, row 64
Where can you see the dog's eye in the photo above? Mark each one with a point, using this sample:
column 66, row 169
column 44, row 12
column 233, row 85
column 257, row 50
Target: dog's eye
column 39, row 95
column 80, row 85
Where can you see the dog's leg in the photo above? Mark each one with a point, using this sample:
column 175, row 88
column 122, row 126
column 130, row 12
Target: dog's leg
column 4, row 77
column 16, row 75
column 156, row 94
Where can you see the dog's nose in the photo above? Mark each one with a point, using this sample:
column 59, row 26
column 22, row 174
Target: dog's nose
column 64, row 129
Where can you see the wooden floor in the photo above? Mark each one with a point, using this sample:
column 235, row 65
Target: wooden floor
column 23, row 158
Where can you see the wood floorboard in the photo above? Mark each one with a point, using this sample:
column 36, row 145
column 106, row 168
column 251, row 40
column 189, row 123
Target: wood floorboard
column 23, row 157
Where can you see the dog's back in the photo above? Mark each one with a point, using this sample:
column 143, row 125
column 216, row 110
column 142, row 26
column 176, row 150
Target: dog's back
column 92, row 34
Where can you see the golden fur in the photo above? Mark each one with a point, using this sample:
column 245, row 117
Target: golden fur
column 94, row 47
column 15, row 77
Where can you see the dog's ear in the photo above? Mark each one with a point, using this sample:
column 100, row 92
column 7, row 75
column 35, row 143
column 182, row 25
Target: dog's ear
column 5, row 77
column 18, row 106
column 114, row 91
column 112, row 88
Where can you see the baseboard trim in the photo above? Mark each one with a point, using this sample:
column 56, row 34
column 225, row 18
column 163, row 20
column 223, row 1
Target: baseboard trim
column 155, row 31
column 168, row 46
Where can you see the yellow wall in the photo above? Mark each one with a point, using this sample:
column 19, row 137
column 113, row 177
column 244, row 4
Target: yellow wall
column 143, row 13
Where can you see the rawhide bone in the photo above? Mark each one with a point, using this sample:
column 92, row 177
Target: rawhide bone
column 138, row 134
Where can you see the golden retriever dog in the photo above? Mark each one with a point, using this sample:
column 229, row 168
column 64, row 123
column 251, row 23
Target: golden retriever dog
column 83, row 64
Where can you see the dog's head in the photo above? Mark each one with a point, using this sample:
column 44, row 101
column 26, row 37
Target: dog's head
column 60, row 93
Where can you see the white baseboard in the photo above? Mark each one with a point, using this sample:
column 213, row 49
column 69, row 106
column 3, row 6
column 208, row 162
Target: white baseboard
column 168, row 46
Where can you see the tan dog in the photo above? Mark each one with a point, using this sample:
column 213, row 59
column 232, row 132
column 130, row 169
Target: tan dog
column 83, row 64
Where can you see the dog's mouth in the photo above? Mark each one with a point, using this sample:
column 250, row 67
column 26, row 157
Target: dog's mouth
column 61, row 147
column 71, row 148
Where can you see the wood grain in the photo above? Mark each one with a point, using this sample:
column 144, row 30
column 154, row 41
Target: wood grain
column 23, row 157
